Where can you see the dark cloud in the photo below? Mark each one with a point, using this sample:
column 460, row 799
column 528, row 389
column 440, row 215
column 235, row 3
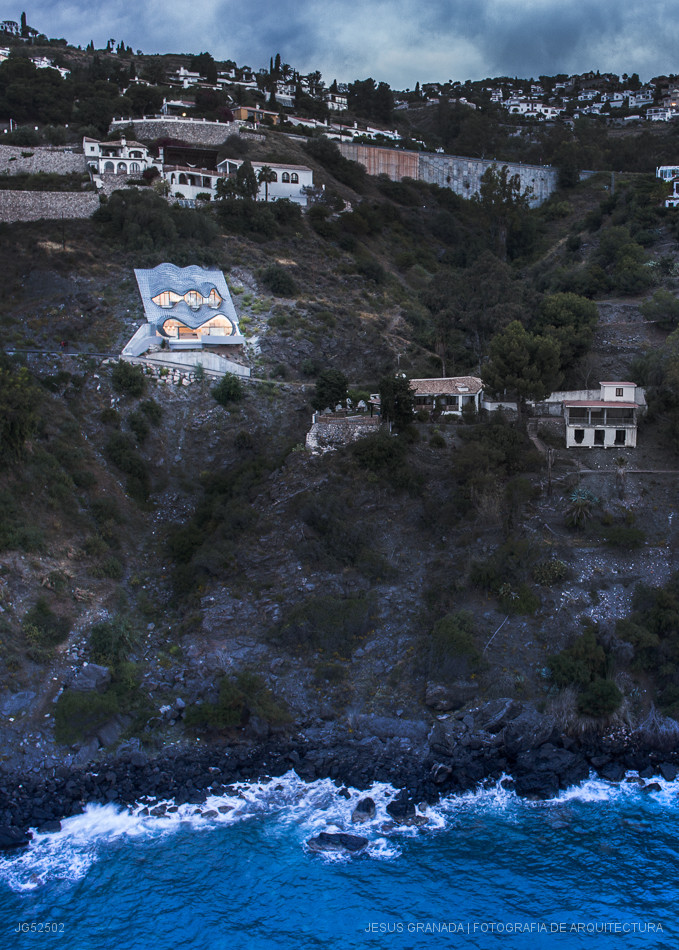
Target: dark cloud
column 401, row 41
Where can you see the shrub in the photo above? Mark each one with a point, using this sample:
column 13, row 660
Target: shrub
column 139, row 424
column 453, row 651
column 331, row 388
column 45, row 628
column 121, row 450
column 152, row 410
column 550, row 572
column 111, row 641
column 581, row 663
column 279, row 281
column 229, row 389
column 128, row 379
column 325, row 623
column 623, row 536
column 600, row 699
column 239, row 698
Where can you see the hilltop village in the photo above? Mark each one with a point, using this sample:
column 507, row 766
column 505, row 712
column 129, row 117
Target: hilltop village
column 338, row 424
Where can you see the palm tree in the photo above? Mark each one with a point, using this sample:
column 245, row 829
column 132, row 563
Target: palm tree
column 265, row 176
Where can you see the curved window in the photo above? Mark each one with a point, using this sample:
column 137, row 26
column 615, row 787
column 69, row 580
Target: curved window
column 194, row 299
column 109, row 167
column 122, row 168
column 134, row 167
column 183, row 180
column 173, row 328
column 214, row 299
column 294, row 178
column 285, row 177
column 173, row 179
column 216, row 326
column 167, row 298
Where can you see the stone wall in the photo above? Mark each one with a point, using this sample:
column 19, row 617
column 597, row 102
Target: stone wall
column 329, row 434
column 461, row 175
column 193, row 131
column 15, row 160
column 46, row 205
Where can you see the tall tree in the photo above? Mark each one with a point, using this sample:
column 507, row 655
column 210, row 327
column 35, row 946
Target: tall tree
column 265, row 176
column 501, row 202
column 397, row 401
column 522, row 364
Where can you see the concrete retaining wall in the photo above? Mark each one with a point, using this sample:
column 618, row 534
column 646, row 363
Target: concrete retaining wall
column 193, row 131
column 462, row 175
column 46, row 205
column 15, row 160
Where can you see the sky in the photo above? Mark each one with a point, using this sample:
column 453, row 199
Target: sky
column 397, row 41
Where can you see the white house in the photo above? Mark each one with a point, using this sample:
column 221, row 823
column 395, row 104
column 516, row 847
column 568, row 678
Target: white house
column 667, row 172
column 289, row 181
column 448, row 395
column 184, row 77
column 122, row 157
column 607, row 422
column 336, row 102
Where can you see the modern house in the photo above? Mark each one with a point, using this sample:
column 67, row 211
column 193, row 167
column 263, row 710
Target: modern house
column 607, row 422
column 188, row 309
column 449, row 395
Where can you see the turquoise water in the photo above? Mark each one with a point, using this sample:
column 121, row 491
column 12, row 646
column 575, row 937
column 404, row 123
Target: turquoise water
column 482, row 872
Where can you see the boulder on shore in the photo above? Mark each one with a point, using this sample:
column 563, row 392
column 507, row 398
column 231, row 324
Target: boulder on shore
column 341, row 842
column 364, row 811
column 11, row 837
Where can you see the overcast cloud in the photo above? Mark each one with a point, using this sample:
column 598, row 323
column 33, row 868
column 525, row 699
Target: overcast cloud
column 398, row 41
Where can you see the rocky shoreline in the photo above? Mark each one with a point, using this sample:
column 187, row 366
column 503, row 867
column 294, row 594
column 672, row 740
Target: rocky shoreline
column 500, row 738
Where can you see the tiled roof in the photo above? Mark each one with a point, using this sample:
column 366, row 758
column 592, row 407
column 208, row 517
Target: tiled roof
column 182, row 279
column 451, row 385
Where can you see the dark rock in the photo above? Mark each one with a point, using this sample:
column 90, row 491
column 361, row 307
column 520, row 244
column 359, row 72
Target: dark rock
column 210, row 814
column 401, row 809
column 668, row 771
column 364, row 811
column 538, row 785
column 452, row 696
column 224, row 809
column 613, row 772
column 648, row 772
column 91, row 677
column 496, row 714
column 440, row 773
column 325, row 841
column 652, row 787
column 49, row 827
column 11, row 837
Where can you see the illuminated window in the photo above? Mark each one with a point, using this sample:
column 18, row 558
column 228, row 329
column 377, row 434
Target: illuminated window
column 285, row 177
column 294, row 178
column 217, row 326
column 214, row 299
column 194, row 299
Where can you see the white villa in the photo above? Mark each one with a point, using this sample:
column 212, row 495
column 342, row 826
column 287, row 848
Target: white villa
column 290, row 181
column 607, row 422
column 448, row 395
column 116, row 158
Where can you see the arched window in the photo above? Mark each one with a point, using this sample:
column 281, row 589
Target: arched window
column 109, row 167
column 294, row 178
column 173, row 179
column 214, row 299
column 122, row 168
column 193, row 299
column 135, row 167
column 285, row 177
column 183, row 180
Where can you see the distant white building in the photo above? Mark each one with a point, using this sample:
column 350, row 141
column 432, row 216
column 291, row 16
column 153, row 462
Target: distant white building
column 289, row 181
column 122, row 157
column 448, row 395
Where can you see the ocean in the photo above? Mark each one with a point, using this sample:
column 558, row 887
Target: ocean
column 596, row 867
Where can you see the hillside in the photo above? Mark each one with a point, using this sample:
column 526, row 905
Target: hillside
column 200, row 555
